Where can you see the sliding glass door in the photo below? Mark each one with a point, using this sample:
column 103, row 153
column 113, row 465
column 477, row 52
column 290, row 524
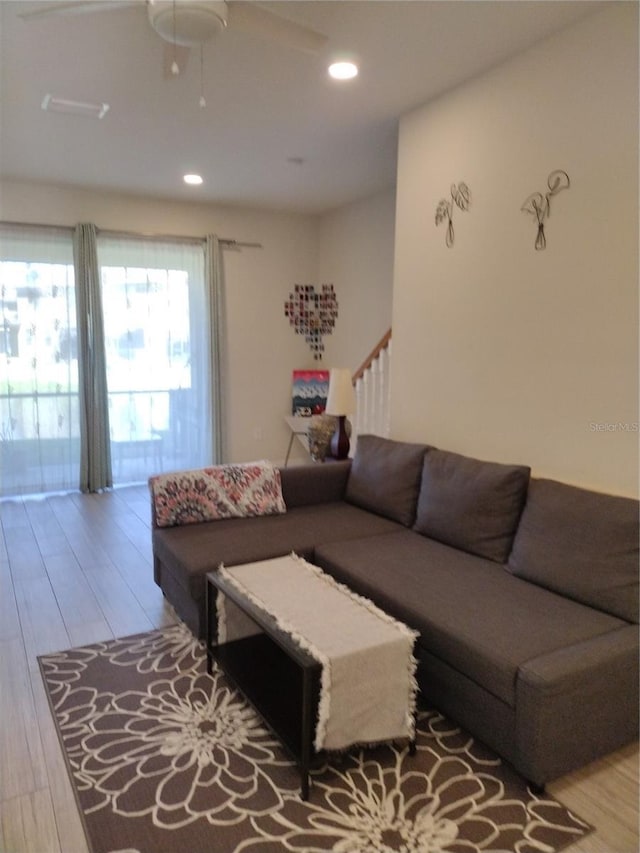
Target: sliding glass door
column 157, row 342
column 39, row 420
column 157, row 346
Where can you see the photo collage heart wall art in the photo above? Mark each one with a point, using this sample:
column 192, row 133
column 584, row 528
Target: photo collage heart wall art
column 313, row 314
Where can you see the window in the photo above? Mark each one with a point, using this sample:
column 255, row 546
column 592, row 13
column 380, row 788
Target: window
column 39, row 417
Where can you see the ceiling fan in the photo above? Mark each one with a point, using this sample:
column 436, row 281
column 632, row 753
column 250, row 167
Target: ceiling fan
column 188, row 23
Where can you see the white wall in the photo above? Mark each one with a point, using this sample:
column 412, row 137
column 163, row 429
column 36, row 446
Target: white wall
column 500, row 351
column 355, row 253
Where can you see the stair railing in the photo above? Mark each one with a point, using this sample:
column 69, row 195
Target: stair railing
column 373, row 392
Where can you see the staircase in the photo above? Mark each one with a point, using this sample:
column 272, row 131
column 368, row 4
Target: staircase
column 373, row 392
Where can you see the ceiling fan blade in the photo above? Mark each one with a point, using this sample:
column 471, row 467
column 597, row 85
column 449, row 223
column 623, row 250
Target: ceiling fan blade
column 180, row 54
column 77, row 7
column 252, row 18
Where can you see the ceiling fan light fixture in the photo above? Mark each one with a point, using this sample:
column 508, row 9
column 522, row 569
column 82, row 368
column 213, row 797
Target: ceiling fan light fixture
column 186, row 22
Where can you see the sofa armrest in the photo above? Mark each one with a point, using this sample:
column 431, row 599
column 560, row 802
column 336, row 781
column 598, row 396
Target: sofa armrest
column 303, row 485
column 573, row 666
column 577, row 703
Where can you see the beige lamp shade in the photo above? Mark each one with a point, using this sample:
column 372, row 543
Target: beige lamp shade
column 341, row 399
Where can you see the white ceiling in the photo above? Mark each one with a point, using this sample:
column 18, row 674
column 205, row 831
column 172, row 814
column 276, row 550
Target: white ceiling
column 265, row 103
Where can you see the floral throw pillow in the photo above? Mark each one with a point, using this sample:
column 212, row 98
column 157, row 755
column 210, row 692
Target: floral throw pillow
column 222, row 491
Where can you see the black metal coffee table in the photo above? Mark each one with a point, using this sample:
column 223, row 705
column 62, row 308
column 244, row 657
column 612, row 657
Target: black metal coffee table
column 324, row 667
column 280, row 679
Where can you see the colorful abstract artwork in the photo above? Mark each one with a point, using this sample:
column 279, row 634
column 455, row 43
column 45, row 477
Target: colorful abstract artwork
column 310, row 390
column 313, row 314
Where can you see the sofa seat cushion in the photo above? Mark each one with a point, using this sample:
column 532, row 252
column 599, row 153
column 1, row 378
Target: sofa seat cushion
column 471, row 504
column 582, row 544
column 190, row 552
column 471, row 613
column 385, row 477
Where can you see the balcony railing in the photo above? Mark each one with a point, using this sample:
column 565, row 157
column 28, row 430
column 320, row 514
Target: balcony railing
column 40, row 437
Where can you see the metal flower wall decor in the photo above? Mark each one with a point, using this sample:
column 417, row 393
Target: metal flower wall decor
column 539, row 206
column 312, row 314
column 460, row 197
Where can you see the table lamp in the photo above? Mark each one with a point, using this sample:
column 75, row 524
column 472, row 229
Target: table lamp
column 341, row 401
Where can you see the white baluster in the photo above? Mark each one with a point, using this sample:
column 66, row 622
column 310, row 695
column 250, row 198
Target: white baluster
column 373, row 396
column 373, row 382
column 377, row 380
column 384, row 378
column 365, row 402
column 357, row 420
column 387, row 404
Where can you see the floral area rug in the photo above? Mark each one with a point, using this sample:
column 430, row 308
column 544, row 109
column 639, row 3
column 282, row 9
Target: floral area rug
column 167, row 759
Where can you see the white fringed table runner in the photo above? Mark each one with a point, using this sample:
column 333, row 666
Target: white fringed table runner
column 368, row 686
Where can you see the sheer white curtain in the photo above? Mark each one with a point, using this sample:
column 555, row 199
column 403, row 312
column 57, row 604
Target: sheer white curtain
column 157, row 353
column 39, row 420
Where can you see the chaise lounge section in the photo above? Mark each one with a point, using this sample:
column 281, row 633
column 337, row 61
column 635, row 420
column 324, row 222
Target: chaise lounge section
column 524, row 591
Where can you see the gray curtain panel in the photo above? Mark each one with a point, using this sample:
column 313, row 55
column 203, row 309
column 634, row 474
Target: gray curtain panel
column 215, row 294
column 95, row 461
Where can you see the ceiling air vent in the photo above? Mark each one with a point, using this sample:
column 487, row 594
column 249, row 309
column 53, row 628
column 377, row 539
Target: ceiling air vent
column 78, row 108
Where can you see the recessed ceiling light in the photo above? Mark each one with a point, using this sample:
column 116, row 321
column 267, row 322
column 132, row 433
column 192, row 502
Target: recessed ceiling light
column 192, row 180
column 343, row 70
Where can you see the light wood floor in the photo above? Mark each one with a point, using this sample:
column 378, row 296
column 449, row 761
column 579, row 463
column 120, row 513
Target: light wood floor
column 77, row 569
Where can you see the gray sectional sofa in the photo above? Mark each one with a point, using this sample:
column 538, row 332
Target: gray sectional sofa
column 524, row 591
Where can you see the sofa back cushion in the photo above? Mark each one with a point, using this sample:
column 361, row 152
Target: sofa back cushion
column 471, row 504
column 222, row 491
column 582, row 544
column 385, row 477
column 306, row 485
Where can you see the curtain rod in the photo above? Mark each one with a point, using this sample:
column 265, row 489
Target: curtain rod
column 224, row 241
